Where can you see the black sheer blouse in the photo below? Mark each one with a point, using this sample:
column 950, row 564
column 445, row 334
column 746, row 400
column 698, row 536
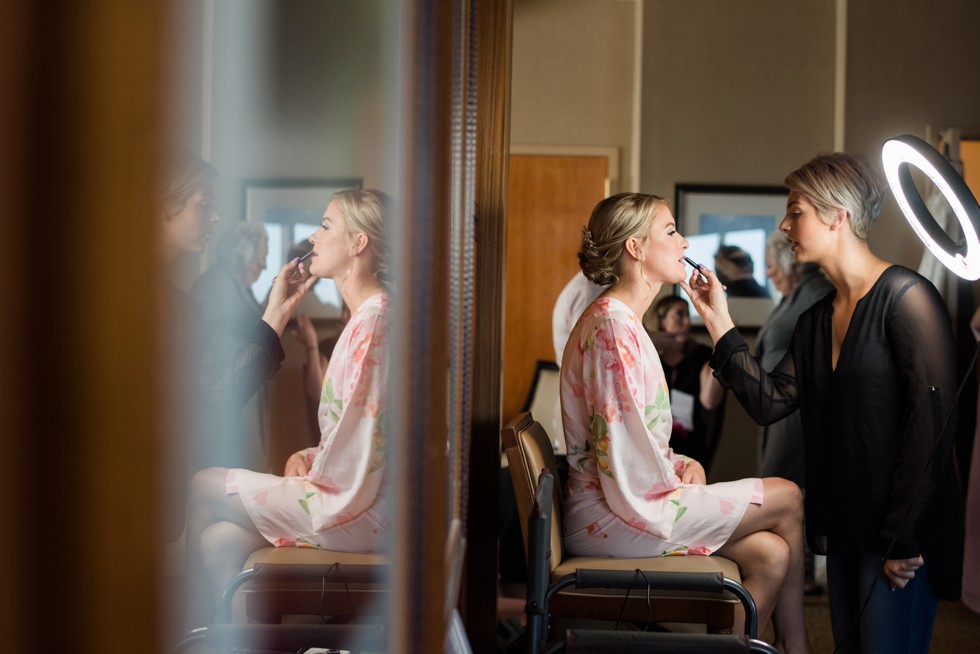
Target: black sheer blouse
column 871, row 424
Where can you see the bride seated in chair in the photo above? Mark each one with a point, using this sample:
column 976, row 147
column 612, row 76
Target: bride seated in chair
column 334, row 496
column 628, row 494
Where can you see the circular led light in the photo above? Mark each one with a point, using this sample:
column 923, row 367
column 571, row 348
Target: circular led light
column 903, row 151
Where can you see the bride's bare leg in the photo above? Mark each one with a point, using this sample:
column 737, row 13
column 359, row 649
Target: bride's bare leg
column 220, row 536
column 780, row 516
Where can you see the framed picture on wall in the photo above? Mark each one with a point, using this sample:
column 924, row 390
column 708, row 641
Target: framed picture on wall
column 290, row 210
column 727, row 227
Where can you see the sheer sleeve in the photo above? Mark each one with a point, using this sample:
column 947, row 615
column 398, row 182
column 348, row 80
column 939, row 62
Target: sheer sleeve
column 629, row 423
column 239, row 353
column 922, row 344
column 767, row 397
column 229, row 384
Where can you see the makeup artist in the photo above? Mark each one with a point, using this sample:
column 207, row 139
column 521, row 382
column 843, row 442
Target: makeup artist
column 200, row 377
column 872, row 369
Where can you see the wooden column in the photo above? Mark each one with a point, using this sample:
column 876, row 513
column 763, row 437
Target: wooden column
column 493, row 44
column 82, row 85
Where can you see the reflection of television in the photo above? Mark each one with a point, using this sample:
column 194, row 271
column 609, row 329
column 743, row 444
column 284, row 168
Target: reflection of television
column 325, row 291
column 702, row 249
column 752, row 241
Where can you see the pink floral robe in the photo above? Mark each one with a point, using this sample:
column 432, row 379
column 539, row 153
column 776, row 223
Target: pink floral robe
column 342, row 504
column 624, row 496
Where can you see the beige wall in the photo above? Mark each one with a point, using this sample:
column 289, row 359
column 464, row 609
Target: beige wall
column 573, row 76
column 909, row 64
column 298, row 92
column 734, row 93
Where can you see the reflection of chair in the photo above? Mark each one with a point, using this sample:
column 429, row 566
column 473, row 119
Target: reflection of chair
column 528, row 452
column 278, row 581
column 337, row 586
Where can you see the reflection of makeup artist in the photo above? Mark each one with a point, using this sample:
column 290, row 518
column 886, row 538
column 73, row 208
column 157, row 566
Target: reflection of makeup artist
column 734, row 268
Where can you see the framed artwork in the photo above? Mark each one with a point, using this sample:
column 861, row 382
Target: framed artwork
column 542, row 401
column 727, row 227
column 290, row 210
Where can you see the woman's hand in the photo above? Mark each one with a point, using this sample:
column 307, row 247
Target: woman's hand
column 296, row 465
column 666, row 343
column 708, row 297
column 303, row 331
column 289, row 287
column 693, row 473
column 901, row 571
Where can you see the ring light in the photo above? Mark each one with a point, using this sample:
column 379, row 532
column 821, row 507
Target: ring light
column 897, row 155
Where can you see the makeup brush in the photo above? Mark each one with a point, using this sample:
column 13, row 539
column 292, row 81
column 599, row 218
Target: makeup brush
column 297, row 260
column 697, row 266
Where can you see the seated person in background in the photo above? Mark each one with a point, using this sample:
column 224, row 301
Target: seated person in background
column 693, row 389
column 735, row 269
column 236, row 432
column 317, row 358
column 333, row 496
column 628, row 494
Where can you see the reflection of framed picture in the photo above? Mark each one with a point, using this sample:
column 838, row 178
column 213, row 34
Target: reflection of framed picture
column 291, row 210
column 734, row 222
column 542, row 402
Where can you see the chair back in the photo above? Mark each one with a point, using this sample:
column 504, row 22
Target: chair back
column 529, row 451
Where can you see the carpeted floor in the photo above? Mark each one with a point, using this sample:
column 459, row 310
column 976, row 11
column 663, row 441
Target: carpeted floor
column 957, row 628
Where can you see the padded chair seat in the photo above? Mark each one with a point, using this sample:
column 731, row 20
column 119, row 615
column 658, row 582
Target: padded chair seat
column 308, row 555
column 284, row 587
column 705, row 564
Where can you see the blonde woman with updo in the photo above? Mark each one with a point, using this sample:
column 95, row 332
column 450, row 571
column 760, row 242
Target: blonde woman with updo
column 628, row 493
column 333, row 496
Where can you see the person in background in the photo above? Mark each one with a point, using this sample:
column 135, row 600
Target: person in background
column 800, row 285
column 628, row 494
column 736, row 270
column 199, row 377
column 317, row 353
column 237, row 432
column 577, row 294
column 872, row 369
column 693, row 389
column 335, row 495
column 971, row 559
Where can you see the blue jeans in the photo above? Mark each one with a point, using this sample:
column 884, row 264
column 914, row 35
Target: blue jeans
column 895, row 622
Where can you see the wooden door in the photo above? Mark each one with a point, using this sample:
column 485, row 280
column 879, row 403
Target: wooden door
column 550, row 200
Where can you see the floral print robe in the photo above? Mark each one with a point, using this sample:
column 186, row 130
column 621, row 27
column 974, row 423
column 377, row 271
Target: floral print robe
column 624, row 496
column 342, row 503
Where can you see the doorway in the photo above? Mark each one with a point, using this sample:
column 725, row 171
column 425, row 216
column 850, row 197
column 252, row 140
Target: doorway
column 550, row 200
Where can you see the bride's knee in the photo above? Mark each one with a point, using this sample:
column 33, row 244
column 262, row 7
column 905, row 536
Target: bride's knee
column 787, row 496
column 207, row 483
column 773, row 553
column 762, row 554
